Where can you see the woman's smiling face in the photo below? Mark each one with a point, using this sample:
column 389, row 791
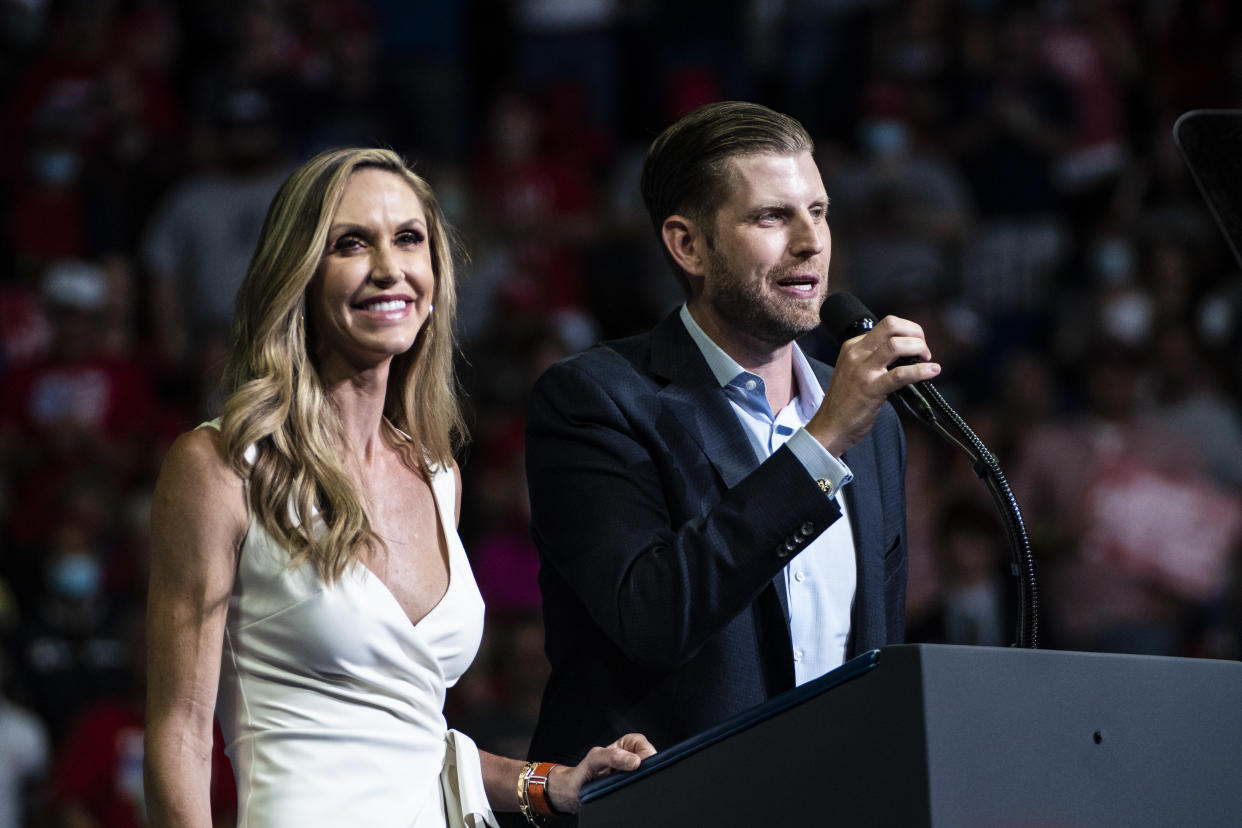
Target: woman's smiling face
column 373, row 290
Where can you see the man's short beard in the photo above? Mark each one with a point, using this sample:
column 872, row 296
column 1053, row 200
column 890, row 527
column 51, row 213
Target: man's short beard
column 746, row 308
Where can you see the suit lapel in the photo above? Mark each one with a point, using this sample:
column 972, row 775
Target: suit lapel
column 695, row 399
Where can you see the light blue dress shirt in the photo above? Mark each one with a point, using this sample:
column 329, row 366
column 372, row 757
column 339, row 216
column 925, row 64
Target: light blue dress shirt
column 820, row 580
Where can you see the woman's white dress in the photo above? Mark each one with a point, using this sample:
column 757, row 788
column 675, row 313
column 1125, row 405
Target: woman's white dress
column 331, row 701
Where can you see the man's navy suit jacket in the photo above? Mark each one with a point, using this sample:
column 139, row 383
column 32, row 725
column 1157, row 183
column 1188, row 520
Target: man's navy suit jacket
column 662, row 541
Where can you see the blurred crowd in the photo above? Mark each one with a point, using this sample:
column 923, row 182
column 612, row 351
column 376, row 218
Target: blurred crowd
column 1004, row 173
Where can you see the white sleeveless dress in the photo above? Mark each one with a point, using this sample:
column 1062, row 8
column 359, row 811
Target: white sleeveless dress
column 331, row 701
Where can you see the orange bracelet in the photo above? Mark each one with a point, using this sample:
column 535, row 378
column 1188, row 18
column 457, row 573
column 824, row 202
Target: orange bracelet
column 537, row 789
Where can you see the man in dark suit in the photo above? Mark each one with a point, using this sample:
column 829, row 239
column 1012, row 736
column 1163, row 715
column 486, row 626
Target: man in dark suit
column 719, row 518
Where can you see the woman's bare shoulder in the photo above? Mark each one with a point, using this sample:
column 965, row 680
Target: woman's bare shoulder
column 196, row 479
column 200, row 452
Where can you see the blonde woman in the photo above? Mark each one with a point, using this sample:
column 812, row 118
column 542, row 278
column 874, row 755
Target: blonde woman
column 307, row 564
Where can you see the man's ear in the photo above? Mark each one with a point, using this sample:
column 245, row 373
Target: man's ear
column 686, row 243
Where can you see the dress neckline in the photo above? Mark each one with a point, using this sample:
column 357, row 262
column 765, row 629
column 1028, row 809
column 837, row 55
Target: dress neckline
column 448, row 549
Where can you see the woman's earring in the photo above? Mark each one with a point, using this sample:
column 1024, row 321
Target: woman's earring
column 430, row 308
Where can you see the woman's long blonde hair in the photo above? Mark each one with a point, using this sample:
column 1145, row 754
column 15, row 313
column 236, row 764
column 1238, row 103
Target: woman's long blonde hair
column 276, row 400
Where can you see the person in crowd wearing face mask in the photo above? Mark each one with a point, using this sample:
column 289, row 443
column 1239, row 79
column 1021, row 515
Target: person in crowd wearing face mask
column 72, row 650
column 199, row 240
column 77, row 412
column 47, row 219
column 1135, row 536
column 904, row 209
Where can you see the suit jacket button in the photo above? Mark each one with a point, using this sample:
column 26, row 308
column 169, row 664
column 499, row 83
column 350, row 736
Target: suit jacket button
column 781, row 551
column 806, row 529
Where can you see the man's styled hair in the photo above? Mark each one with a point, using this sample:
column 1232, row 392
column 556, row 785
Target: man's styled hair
column 686, row 169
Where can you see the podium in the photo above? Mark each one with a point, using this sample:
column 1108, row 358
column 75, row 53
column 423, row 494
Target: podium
column 939, row 735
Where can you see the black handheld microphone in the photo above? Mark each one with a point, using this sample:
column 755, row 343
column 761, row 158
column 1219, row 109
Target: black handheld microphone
column 846, row 317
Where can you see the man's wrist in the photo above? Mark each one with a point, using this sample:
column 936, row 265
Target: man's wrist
column 828, row 472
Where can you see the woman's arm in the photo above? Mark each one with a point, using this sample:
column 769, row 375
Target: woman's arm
column 198, row 521
column 500, row 775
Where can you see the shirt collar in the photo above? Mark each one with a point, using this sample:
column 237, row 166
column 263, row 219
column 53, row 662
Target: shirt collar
column 726, row 370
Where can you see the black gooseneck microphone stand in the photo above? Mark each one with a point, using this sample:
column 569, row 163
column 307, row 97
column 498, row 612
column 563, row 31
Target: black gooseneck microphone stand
column 846, row 318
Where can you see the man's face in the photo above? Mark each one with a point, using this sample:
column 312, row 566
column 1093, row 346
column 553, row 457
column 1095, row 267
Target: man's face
column 767, row 266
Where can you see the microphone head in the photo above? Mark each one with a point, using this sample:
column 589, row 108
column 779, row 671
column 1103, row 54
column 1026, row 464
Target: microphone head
column 845, row 317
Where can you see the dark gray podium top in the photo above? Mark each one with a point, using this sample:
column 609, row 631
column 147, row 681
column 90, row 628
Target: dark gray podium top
column 942, row 735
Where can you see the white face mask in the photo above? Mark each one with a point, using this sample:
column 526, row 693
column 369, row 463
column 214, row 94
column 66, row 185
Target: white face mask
column 1113, row 261
column 1127, row 318
column 56, row 166
column 75, row 575
column 885, row 137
